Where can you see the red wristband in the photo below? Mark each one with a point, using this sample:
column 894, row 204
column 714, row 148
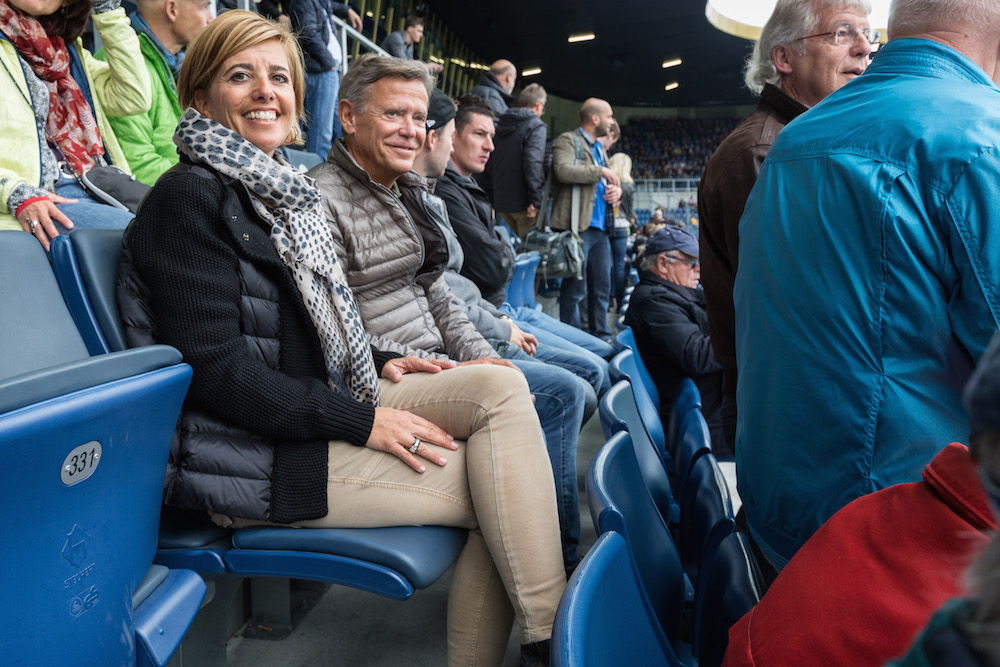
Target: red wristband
column 28, row 201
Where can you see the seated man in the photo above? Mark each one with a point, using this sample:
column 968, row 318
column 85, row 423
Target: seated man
column 164, row 28
column 667, row 315
column 864, row 584
column 489, row 258
column 402, row 298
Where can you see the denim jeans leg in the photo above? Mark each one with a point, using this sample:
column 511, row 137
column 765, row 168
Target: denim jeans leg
column 599, row 285
column 319, row 107
column 335, row 96
column 559, row 401
column 87, row 212
column 573, row 292
column 619, row 244
column 540, row 320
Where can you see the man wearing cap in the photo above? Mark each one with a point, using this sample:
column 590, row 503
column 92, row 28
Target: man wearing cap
column 667, row 315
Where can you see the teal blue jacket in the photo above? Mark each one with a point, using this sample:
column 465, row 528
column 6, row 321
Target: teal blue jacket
column 869, row 266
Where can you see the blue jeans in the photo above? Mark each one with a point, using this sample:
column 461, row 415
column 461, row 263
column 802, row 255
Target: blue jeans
column 619, row 244
column 88, row 213
column 559, row 400
column 321, row 107
column 592, row 292
column 567, row 347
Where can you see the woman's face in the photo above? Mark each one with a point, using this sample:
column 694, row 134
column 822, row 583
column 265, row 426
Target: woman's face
column 252, row 95
column 36, row 8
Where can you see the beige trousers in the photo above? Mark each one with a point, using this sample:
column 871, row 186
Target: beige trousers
column 498, row 484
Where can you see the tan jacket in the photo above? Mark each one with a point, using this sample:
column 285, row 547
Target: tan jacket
column 567, row 175
column 381, row 252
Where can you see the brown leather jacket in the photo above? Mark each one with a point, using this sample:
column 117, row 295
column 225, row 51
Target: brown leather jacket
column 722, row 194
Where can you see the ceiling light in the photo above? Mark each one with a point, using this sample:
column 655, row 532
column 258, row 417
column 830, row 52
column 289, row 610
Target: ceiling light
column 671, row 86
column 581, row 38
column 745, row 18
column 531, row 72
column 671, row 63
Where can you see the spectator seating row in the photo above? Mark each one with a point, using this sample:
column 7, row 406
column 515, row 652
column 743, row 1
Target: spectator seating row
column 677, row 523
column 85, row 442
column 392, row 562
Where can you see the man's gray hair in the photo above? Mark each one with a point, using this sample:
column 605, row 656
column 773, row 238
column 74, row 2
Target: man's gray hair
column 647, row 262
column 790, row 20
column 531, row 95
column 910, row 17
column 369, row 68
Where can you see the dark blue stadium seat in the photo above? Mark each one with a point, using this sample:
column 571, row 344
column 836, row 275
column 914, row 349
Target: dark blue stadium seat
column 604, row 617
column 302, row 160
column 686, row 399
column 619, row 502
column 625, row 366
column 618, row 412
column 706, row 515
column 85, row 443
column 521, row 288
column 389, row 561
column 694, row 442
column 731, row 585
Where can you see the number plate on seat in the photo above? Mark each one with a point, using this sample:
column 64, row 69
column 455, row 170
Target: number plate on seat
column 80, row 463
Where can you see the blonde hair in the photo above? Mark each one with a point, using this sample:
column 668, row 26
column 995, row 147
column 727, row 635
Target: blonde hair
column 224, row 37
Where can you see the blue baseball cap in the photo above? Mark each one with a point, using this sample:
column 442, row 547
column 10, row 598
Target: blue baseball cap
column 672, row 238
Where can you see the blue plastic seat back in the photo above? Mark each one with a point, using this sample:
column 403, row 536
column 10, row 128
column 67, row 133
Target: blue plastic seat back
column 604, row 618
column 623, row 367
column 303, row 160
column 84, row 460
column 626, row 340
column 686, row 399
column 619, row 502
column 86, row 266
column 694, row 442
column 731, row 585
column 619, row 412
column 36, row 328
column 533, row 259
column 706, row 515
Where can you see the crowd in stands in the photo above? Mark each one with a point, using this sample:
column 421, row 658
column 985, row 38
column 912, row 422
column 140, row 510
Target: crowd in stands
column 382, row 276
column 672, row 147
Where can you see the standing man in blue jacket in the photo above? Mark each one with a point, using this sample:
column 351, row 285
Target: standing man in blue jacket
column 312, row 22
column 869, row 270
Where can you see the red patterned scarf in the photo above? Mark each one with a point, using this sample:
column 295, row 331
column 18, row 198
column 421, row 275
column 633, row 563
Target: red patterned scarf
column 71, row 123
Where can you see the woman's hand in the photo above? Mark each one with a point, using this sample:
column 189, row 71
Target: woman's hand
column 395, row 369
column 396, row 431
column 44, row 214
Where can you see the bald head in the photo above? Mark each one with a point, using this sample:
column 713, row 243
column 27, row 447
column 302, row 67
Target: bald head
column 175, row 22
column 596, row 117
column 506, row 74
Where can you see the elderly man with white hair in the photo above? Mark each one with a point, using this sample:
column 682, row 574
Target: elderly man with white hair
column 807, row 50
column 869, row 269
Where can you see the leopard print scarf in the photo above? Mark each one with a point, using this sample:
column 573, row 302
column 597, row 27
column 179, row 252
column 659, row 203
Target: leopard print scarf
column 290, row 201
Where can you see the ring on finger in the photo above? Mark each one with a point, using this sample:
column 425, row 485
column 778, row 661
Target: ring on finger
column 32, row 225
column 415, row 446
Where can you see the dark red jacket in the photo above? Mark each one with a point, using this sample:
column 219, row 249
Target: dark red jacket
column 865, row 584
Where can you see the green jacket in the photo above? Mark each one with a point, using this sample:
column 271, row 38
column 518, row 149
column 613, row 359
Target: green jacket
column 148, row 138
column 120, row 86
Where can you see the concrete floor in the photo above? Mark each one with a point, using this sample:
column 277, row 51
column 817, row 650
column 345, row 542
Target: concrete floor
column 351, row 627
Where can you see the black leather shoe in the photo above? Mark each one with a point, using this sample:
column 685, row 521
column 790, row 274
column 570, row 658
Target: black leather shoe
column 535, row 655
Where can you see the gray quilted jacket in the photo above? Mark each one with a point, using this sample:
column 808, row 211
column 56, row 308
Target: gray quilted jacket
column 406, row 308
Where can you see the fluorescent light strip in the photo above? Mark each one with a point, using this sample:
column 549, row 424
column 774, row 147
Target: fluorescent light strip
column 532, row 72
column 671, row 86
column 671, row 63
column 581, row 38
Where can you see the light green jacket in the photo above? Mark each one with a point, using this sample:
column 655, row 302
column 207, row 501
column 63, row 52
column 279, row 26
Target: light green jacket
column 119, row 86
column 148, row 138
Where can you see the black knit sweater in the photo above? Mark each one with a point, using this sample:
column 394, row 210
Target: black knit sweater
column 201, row 259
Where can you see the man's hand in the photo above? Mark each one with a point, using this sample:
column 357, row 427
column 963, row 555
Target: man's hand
column 525, row 341
column 532, row 211
column 612, row 194
column 354, row 19
column 611, row 177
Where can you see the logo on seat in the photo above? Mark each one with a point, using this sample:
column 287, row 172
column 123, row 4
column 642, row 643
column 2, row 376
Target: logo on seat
column 75, row 549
